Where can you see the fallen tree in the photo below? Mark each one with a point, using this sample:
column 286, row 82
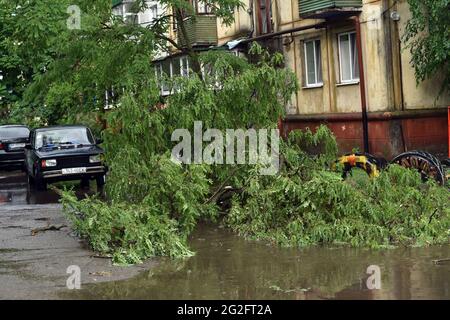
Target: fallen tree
column 154, row 203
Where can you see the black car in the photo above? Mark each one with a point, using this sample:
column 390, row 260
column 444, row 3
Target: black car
column 13, row 139
column 64, row 153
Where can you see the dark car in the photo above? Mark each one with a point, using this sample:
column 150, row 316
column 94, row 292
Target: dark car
column 13, row 139
column 64, row 153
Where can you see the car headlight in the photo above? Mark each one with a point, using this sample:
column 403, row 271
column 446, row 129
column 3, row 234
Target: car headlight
column 48, row 163
column 95, row 159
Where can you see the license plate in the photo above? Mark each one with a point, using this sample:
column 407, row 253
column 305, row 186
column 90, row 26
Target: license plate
column 73, row 170
column 17, row 146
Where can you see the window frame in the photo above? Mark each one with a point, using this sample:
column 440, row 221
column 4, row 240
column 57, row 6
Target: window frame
column 160, row 72
column 184, row 65
column 207, row 10
column 316, row 66
column 353, row 79
column 184, row 60
column 154, row 11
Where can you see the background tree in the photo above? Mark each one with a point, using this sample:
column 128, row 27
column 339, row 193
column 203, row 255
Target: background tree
column 428, row 38
column 29, row 33
column 52, row 74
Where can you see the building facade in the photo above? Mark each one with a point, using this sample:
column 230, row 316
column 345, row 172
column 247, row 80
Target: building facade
column 353, row 69
column 322, row 42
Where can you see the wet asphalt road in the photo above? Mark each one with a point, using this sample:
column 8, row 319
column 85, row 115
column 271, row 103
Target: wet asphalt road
column 34, row 265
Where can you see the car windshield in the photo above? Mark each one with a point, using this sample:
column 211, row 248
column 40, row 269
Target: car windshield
column 14, row 132
column 75, row 136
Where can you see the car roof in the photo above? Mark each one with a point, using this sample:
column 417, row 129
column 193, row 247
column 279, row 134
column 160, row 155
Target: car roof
column 14, row 126
column 59, row 127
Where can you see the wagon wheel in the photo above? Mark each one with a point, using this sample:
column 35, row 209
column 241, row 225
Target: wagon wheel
column 446, row 165
column 427, row 164
column 365, row 161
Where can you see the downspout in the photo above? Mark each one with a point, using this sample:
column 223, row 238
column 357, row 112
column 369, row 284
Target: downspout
column 362, row 86
column 252, row 18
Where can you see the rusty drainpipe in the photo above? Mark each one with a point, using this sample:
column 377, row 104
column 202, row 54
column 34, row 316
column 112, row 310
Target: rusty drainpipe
column 362, row 85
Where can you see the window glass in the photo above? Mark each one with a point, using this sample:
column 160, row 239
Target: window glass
column 154, row 11
column 202, row 7
column 346, row 73
column 14, row 132
column 184, row 66
column 348, row 57
column 355, row 65
column 318, row 62
column 310, row 66
column 313, row 63
column 176, row 67
column 165, row 74
column 74, row 136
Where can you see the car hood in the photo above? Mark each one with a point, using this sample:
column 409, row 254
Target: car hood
column 71, row 152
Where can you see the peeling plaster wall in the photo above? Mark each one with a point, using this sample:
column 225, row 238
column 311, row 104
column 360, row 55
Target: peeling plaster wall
column 387, row 66
column 424, row 95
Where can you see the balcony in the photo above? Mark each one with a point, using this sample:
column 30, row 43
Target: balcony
column 201, row 30
column 326, row 9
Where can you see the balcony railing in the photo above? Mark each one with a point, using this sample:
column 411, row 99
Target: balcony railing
column 327, row 8
column 201, row 30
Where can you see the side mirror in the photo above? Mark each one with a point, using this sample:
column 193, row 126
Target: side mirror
column 98, row 141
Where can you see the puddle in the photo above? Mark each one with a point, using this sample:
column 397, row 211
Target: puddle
column 229, row 267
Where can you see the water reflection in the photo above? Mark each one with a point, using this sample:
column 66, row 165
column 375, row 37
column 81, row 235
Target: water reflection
column 15, row 190
column 228, row 267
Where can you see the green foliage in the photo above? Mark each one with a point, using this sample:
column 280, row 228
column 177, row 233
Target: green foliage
column 52, row 72
column 126, row 232
column 428, row 38
column 138, row 144
column 309, row 205
column 30, row 33
column 153, row 203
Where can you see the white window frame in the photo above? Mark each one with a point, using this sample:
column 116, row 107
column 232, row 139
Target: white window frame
column 183, row 60
column 160, row 73
column 154, row 11
column 316, row 66
column 202, row 8
column 135, row 17
column 352, row 80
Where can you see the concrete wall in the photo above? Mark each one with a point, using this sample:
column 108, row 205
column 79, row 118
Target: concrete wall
column 423, row 95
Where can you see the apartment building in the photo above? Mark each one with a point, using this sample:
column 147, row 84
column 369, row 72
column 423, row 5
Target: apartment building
column 354, row 72
column 353, row 69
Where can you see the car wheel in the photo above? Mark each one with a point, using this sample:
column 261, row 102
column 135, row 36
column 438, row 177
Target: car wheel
column 85, row 183
column 100, row 182
column 39, row 183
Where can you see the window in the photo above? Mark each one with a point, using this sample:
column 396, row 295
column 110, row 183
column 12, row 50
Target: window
column 168, row 69
column 154, row 11
column 264, row 14
column 313, row 63
column 129, row 15
column 184, row 62
column 165, row 71
column 49, row 137
column 176, row 67
column 202, row 7
column 348, row 57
